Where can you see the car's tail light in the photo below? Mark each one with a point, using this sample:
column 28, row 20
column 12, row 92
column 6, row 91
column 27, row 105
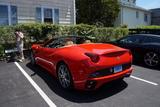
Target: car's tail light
column 94, row 57
column 130, row 53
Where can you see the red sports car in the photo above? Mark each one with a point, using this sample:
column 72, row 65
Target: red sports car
column 78, row 63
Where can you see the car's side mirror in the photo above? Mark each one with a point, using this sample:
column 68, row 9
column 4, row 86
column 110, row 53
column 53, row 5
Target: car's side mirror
column 118, row 41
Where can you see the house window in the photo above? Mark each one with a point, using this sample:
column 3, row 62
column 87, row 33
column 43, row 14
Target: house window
column 13, row 15
column 4, row 15
column 38, row 14
column 145, row 17
column 56, row 16
column 134, row 1
column 47, row 15
column 137, row 14
column 8, row 15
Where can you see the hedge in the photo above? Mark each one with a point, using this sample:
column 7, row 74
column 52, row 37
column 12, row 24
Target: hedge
column 149, row 27
column 109, row 34
column 1, row 51
column 38, row 32
column 153, row 29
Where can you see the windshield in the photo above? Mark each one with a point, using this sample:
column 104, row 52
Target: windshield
column 66, row 41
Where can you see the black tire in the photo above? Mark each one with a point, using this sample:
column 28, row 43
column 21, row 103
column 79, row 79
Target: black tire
column 64, row 77
column 151, row 59
column 32, row 59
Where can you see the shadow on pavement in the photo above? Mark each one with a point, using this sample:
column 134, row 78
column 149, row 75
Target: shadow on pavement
column 141, row 64
column 105, row 91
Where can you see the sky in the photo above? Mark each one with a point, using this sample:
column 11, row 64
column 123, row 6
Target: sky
column 148, row 4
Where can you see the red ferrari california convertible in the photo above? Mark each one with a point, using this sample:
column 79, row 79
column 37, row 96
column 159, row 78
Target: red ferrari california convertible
column 78, row 63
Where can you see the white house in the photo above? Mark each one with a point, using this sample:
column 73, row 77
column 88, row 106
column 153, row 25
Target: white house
column 155, row 16
column 132, row 15
column 30, row 11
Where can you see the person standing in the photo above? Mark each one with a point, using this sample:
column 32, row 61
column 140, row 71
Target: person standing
column 19, row 44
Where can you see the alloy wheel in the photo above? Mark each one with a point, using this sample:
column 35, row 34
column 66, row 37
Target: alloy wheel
column 64, row 76
column 151, row 59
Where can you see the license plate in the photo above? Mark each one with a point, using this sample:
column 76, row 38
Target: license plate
column 117, row 68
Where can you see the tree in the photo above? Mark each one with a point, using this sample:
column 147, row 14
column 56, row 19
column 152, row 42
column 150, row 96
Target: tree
column 101, row 12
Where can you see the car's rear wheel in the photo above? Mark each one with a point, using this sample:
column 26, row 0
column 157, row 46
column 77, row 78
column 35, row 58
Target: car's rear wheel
column 33, row 61
column 64, row 76
column 151, row 59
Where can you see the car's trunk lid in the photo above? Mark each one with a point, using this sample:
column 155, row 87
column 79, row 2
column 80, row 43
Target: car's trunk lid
column 103, row 49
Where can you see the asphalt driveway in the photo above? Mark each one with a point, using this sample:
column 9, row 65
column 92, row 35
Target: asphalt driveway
column 23, row 85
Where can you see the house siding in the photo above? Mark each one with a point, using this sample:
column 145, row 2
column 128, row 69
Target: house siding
column 127, row 14
column 130, row 19
column 26, row 9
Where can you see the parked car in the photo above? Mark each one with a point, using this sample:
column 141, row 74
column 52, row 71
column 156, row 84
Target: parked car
column 80, row 65
column 144, row 47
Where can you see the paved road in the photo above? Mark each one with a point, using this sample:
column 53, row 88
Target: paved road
column 16, row 89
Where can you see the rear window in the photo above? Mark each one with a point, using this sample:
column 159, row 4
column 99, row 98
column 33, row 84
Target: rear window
column 152, row 40
column 132, row 39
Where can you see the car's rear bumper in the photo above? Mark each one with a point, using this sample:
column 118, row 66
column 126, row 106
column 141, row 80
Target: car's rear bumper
column 94, row 83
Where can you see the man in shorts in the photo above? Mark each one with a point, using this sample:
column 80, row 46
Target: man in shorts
column 19, row 44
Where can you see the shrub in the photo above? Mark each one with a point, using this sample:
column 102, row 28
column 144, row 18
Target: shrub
column 37, row 32
column 153, row 29
column 48, row 29
column 1, row 51
column 6, row 35
column 149, row 27
column 110, row 34
column 84, row 30
column 124, row 26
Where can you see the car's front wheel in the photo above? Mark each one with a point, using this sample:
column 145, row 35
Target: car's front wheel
column 64, row 76
column 151, row 59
